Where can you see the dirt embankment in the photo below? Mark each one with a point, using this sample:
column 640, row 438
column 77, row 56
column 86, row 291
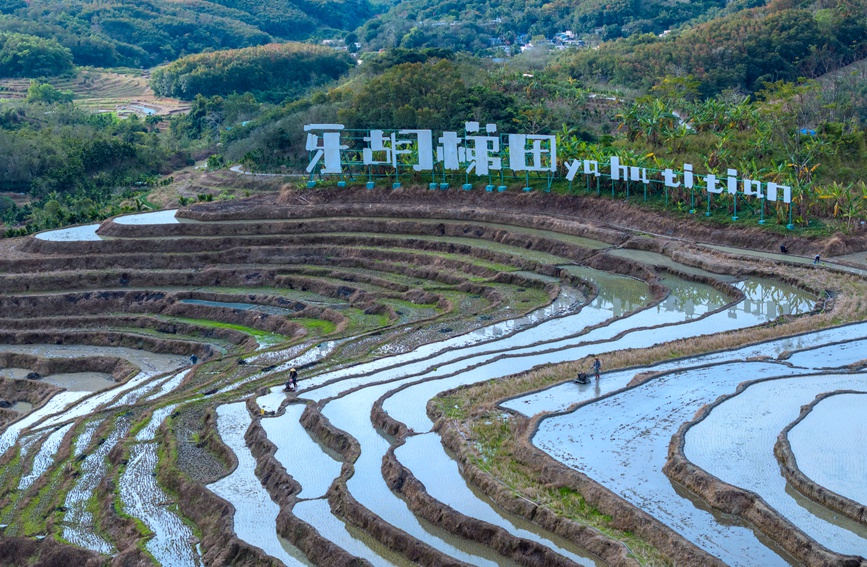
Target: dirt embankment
column 802, row 483
column 624, row 516
column 119, row 368
column 148, row 302
column 523, row 552
column 283, row 490
column 401, row 480
column 231, row 336
column 17, row 551
column 603, row 212
column 212, row 514
column 36, row 392
column 745, row 504
column 344, row 505
column 96, row 338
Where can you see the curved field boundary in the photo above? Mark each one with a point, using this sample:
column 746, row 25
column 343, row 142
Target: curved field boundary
column 744, row 503
column 802, row 483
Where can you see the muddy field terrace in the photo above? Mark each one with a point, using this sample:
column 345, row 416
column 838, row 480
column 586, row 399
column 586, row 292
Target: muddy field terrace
column 144, row 421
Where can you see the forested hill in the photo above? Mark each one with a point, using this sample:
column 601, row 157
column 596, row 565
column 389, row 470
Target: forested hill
column 475, row 24
column 272, row 72
column 742, row 51
column 143, row 33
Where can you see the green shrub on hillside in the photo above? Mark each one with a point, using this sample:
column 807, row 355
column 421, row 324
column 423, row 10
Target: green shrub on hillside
column 278, row 69
column 29, row 56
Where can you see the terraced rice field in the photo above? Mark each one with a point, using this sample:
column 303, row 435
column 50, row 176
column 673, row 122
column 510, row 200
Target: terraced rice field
column 145, row 419
column 104, row 91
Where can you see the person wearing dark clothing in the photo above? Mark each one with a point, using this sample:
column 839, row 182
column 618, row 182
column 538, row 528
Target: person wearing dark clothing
column 292, row 383
column 817, row 259
column 784, row 249
column 194, row 359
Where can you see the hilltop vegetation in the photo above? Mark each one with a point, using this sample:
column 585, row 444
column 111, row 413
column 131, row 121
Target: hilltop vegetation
column 774, row 91
column 742, row 51
column 148, row 32
column 273, row 71
column 472, row 25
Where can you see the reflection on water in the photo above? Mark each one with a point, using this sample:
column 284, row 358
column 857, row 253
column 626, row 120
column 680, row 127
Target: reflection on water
column 761, row 412
column 657, row 259
column 255, row 519
column 770, row 299
column 616, row 293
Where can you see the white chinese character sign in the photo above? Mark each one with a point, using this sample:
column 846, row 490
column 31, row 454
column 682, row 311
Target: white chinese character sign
column 482, row 151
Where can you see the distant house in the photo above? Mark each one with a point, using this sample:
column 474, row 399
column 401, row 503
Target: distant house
column 567, row 38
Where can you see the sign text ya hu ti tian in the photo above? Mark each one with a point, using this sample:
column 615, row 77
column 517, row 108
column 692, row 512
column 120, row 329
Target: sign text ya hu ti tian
column 482, row 151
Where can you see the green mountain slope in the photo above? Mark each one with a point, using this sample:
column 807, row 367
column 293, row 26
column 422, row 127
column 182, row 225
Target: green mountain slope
column 148, row 32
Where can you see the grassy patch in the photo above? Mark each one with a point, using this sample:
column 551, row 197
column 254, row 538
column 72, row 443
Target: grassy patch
column 493, row 449
column 262, row 337
column 317, row 326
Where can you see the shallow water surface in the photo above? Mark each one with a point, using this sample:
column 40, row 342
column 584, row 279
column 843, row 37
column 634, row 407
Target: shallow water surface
column 157, row 217
column 744, row 456
column 626, row 454
column 21, row 407
column 318, row 514
column 81, row 381
column 45, row 457
column 352, row 413
column 829, row 445
column 72, row 234
column 425, row 456
column 657, row 259
column 255, row 519
column 560, row 397
column 173, row 542
column 79, row 525
column 304, row 459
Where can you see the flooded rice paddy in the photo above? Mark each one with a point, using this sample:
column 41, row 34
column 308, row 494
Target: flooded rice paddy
column 172, row 542
column 743, row 456
column 79, row 524
column 255, row 519
column 829, row 445
column 74, row 234
column 308, row 462
column 433, row 467
column 616, row 434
